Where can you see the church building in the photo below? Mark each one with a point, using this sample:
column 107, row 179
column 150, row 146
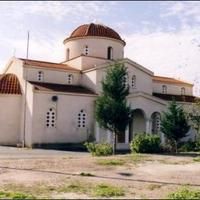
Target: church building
column 48, row 103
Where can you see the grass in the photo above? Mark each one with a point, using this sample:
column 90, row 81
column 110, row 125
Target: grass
column 184, row 193
column 104, row 190
column 15, row 195
column 110, row 162
column 197, row 159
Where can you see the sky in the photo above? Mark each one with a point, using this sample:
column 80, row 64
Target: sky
column 163, row 36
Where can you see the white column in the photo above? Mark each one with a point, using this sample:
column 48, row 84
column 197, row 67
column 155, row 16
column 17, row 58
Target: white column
column 97, row 132
column 147, row 126
column 109, row 136
column 127, row 135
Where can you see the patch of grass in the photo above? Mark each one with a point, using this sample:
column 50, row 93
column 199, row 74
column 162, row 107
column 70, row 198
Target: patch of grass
column 39, row 190
column 197, row 159
column 138, row 158
column 112, row 162
column 15, row 195
column 86, row 174
column 154, row 186
column 173, row 162
column 184, row 193
column 75, row 187
column 104, row 190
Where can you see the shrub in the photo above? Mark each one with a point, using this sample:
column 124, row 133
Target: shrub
column 103, row 149
column 189, row 146
column 145, row 143
column 185, row 193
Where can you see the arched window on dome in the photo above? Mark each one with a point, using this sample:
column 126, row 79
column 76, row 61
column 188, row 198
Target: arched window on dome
column 164, row 89
column 67, row 54
column 86, row 50
column 51, row 118
column 182, row 91
column 110, row 53
column 82, row 119
column 40, row 76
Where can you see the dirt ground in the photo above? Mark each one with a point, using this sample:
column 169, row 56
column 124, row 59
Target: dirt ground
column 140, row 176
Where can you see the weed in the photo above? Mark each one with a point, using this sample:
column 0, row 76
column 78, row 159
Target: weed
column 103, row 190
column 86, row 174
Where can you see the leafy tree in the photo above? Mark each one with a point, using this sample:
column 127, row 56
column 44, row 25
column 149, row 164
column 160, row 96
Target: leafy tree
column 194, row 116
column 112, row 112
column 174, row 123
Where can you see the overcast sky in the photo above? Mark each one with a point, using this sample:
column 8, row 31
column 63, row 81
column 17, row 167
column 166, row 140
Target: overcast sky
column 162, row 36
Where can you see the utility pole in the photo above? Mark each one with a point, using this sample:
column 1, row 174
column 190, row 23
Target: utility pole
column 25, row 93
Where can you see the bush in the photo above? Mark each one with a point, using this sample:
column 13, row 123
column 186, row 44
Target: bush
column 104, row 149
column 189, row 146
column 145, row 143
column 185, row 193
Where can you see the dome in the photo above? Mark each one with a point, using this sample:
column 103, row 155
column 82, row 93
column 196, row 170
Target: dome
column 94, row 30
column 9, row 84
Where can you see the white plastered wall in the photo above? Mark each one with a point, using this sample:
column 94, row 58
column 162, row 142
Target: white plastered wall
column 10, row 106
column 15, row 66
column 51, row 76
column 67, row 108
column 97, row 47
column 172, row 88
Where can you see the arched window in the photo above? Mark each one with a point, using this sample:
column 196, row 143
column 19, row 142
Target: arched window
column 67, row 54
column 82, row 119
column 86, row 50
column 69, row 78
column 164, row 89
column 51, row 118
column 40, row 76
column 182, row 91
column 133, row 81
column 125, row 80
column 156, row 119
column 110, row 53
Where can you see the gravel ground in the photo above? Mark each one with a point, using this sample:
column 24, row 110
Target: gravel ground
column 148, row 176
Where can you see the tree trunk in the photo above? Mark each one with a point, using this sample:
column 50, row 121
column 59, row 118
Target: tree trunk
column 114, row 142
column 175, row 144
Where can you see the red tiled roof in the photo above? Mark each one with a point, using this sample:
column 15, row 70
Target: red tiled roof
column 9, row 84
column 45, row 64
column 61, row 88
column 95, row 30
column 170, row 80
column 180, row 98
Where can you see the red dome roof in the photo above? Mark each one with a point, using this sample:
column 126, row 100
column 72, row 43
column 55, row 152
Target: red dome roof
column 9, row 84
column 94, row 30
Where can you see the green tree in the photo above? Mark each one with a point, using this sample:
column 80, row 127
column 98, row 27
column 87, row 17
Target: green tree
column 194, row 116
column 174, row 124
column 112, row 112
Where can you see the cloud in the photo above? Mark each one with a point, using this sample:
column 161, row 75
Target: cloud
column 186, row 11
column 55, row 9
